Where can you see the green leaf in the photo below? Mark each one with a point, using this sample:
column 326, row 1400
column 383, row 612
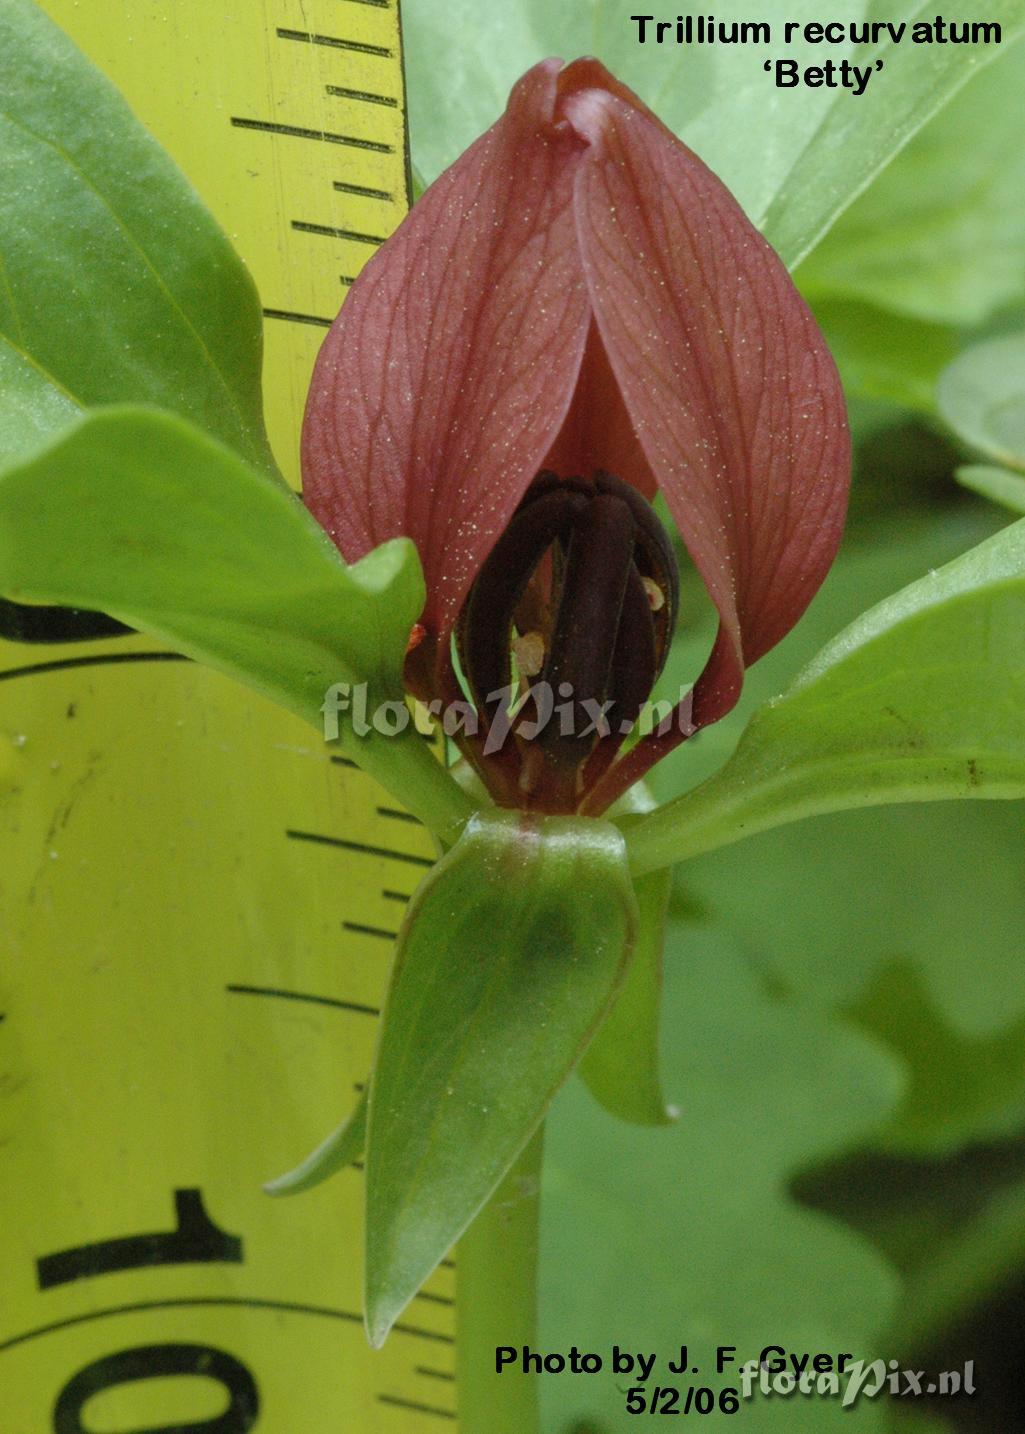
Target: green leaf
column 921, row 699
column 876, row 914
column 955, row 1230
column 137, row 514
column 706, row 94
column 817, row 149
column 913, row 1421
column 964, row 1086
column 904, row 920
column 982, row 396
column 785, row 933
column 116, row 285
column 511, row 953
column 982, row 1258
column 914, row 84
column 343, row 1146
column 1007, row 489
column 701, row 1242
column 939, row 236
column 824, row 908
column 885, row 355
column 621, row 1067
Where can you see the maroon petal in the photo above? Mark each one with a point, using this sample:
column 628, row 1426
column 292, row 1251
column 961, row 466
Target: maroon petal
column 449, row 371
column 598, row 431
column 733, row 394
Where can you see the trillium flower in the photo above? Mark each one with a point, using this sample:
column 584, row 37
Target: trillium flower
column 575, row 315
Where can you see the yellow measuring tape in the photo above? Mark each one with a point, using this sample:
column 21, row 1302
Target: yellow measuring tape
column 198, row 900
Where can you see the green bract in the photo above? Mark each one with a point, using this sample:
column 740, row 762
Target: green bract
column 342, row 1147
column 510, row 955
column 621, row 1067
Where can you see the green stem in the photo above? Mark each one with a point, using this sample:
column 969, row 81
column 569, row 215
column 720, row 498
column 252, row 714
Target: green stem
column 419, row 781
column 496, row 1303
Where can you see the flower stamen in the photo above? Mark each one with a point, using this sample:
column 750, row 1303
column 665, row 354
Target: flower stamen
column 656, row 597
column 529, row 651
column 581, row 590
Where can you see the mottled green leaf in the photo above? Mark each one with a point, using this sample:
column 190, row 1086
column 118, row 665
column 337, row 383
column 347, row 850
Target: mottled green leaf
column 954, row 1228
column 855, row 141
column 963, row 1085
column 830, row 909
